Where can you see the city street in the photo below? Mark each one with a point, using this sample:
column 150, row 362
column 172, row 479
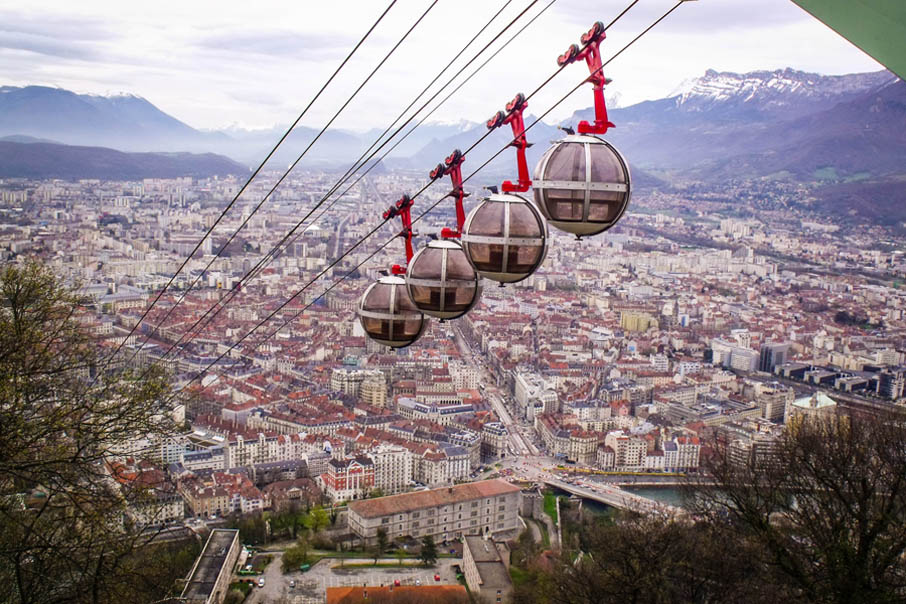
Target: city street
column 519, row 444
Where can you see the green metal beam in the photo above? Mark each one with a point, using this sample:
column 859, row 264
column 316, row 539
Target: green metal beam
column 878, row 27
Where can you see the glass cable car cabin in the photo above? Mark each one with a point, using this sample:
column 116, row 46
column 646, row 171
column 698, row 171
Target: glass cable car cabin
column 441, row 281
column 505, row 238
column 388, row 314
column 582, row 185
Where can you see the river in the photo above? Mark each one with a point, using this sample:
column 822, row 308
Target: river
column 668, row 495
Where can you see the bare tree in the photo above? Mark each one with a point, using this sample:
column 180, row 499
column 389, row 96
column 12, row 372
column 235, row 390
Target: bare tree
column 66, row 534
column 826, row 510
column 650, row 559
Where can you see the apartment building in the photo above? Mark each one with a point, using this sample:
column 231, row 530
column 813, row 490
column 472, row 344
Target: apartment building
column 476, row 508
column 629, row 451
column 348, row 479
column 392, row 468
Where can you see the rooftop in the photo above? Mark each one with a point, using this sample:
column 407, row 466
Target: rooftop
column 819, row 400
column 209, row 564
column 491, row 568
column 439, row 594
column 395, row 504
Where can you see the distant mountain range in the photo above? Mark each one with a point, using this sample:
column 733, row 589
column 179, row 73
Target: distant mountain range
column 727, row 124
column 124, row 122
column 47, row 160
column 782, row 124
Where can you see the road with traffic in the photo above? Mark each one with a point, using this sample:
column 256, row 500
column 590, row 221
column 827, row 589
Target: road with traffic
column 519, row 443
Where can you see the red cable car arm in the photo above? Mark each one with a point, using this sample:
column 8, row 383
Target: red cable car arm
column 402, row 208
column 591, row 52
column 452, row 166
column 513, row 117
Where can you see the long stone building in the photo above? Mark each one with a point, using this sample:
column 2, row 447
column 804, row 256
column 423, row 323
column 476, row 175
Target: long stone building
column 476, row 508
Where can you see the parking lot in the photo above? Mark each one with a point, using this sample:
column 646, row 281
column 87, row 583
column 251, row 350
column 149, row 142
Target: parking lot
column 311, row 586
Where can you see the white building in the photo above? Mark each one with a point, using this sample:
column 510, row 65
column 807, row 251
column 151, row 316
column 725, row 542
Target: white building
column 682, row 454
column 465, row 377
column 392, row 468
column 629, row 451
column 475, row 508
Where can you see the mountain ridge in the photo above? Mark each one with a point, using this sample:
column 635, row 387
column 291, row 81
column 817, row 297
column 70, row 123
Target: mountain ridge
column 47, row 160
column 801, row 126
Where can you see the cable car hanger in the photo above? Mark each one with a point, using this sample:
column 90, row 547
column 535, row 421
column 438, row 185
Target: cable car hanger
column 402, row 208
column 591, row 52
column 452, row 167
column 513, row 117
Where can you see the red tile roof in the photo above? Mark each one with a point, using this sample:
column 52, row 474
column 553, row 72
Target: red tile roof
column 429, row 594
column 394, row 504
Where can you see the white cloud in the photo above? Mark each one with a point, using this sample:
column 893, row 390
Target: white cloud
column 211, row 64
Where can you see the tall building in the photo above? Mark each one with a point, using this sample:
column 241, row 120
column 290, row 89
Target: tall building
column 392, row 468
column 531, row 392
column 773, row 400
column 730, row 354
column 373, row 390
column 772, row 354
column 350, row 381
column 629, row 451
column 891, row 383
column 493, row 441
column 347, row 479
column 637, row 321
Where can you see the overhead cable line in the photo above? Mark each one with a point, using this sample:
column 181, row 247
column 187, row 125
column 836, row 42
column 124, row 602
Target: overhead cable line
column 363, row 160
column 283, row 177
column 470, row 176
column 247, row 183
column 420, row 216
column 430, row 113
column 275, row 251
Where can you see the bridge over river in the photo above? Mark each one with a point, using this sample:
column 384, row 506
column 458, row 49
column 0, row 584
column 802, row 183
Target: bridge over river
column 614, row 497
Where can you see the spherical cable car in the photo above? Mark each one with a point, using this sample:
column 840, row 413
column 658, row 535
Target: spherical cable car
column 388, row 314
column 505, row 238
column 441, row 280
column 582, row 185
column 386, row 310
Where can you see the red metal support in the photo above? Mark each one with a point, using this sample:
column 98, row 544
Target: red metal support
column 513, row 117
column 402, row 208
column 591, row 52
column 452, row 167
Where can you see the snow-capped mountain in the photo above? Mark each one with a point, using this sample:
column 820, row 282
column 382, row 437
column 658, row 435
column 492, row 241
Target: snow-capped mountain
column 720, row 114
column 718, row 125
column 461, row 125
column 773, row 91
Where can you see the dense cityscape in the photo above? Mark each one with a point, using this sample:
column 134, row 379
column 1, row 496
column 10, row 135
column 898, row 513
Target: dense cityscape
column 535, row 345
column 627, row 355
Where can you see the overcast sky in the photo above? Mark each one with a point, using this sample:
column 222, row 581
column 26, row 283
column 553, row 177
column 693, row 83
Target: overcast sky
column 257, row 64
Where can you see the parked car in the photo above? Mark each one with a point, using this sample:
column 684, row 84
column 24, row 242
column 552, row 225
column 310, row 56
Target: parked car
column 437, row 577
column 260, row 581
column 292, row 583
column 396, row 582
